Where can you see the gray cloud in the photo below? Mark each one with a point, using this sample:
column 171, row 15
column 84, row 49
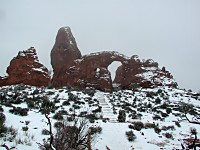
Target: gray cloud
column 166, row 31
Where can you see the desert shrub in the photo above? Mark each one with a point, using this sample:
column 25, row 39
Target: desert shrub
column 138, row 125
column 157, row 129
column 76, row 106
column 66, row 103
column 47, row 106
column 9, row 133
column 50, row 93
column 16, row 101
column 2, row 117
column 30, row 103
column 36, row 91
column 131, row 126
column 149, row 125
column 25, row 128
column 70, row 118
column 3, row 128
column 168, row 110
column 1, row 109
column 134, row 116
column 130, row 135
column 122, row 116
column 58, row 124
column 165, row 128
column 157, row 100
column 141, row 109
column 95, row 130
column 70, row 136
column 177, row 124
column 27, row 122
column 159, row 91
column 83, row 113
column 187, row 108
column 164, row 114
column 164, row 105
column 58, row 116
column 19, row 111
column 97, row 110
column 156, row 117
column 63, row 112
column 91, row 117
column 71, row 109
column 149, row 105
column 45, row 132
column 89, row 91
column 168, row 135
column 150, row 95
column 72, row 97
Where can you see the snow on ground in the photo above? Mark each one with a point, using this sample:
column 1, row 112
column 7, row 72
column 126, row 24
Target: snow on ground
column 140, row 106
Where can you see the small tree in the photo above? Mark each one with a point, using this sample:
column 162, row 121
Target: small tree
column 193, row 131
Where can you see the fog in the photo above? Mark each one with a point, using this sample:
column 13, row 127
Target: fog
column 166, row 31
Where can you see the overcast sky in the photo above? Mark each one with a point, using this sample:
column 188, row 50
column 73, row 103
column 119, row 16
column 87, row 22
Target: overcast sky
column 167, row 31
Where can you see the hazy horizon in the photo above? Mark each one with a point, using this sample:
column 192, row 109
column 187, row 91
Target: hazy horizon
column 166, row 31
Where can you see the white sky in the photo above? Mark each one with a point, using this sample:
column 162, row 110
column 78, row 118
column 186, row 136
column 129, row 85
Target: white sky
column 167, row 31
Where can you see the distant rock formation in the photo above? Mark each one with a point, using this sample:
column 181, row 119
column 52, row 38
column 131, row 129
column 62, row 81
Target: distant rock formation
column 64, row 51
column 25, row 68
column 70, row 69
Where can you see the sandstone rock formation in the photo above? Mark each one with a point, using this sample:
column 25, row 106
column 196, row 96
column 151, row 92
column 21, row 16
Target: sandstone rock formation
column 25, row 68
column 92, row 71
column 64, row 51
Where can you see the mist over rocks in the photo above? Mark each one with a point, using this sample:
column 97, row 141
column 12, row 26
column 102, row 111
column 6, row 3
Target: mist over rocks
column 73, row 70
column 25, row 68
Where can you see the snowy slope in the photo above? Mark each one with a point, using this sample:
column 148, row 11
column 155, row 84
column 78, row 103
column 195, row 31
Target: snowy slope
column 143, row 105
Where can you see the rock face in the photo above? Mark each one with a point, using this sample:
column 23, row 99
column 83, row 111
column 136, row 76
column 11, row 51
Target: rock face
column 92, row 71
column 64, row 51
column 73, row 70
column 25, row 68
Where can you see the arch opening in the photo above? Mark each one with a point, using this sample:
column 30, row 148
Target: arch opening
column 112, row 68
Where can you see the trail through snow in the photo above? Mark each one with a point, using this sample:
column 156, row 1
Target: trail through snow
column 106, row 109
